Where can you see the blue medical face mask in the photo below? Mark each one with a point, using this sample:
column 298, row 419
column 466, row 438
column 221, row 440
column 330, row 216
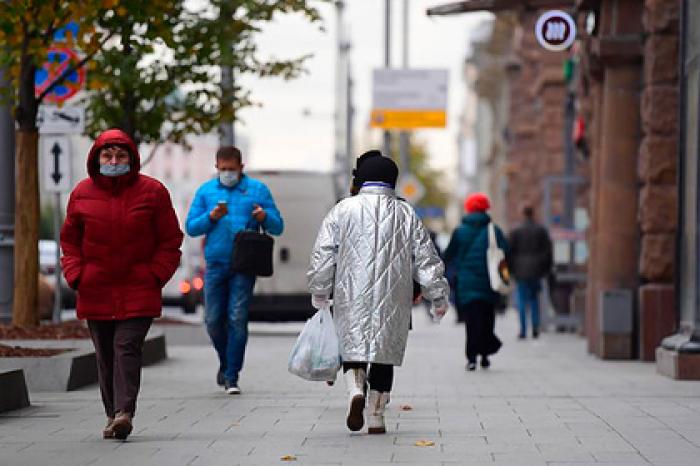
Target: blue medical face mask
column 229, row 177
column 110, row 170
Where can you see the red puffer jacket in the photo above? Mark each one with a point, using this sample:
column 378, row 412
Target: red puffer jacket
column 121, row 239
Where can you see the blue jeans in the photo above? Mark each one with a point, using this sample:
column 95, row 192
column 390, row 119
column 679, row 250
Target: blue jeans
column 529, row 294
column 227, row 296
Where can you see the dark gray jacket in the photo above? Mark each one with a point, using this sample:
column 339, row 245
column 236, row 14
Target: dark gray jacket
column 530, row 251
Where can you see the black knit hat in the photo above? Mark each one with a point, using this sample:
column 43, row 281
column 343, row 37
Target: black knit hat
column 356, row 181
column 381, row 169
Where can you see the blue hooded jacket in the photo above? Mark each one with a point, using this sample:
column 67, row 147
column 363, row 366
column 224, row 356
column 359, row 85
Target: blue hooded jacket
column 242, row 199
column 467, row 251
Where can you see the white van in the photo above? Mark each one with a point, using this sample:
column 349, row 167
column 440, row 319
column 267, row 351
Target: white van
column 303, row 198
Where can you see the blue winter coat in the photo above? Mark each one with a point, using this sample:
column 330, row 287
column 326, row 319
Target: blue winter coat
column 241, row 199
column 467, row 251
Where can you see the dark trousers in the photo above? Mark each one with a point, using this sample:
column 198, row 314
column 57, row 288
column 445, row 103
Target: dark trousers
column 118, row 347
column 380, row 376
column 480, row 320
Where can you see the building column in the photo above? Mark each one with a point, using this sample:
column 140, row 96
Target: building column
column 617, row 248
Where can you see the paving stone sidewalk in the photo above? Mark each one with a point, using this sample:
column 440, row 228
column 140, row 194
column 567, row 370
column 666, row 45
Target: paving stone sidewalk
column 543, row 402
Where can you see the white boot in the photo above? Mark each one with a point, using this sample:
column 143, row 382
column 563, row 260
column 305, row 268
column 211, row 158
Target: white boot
column 355, row 384
column 377, row 404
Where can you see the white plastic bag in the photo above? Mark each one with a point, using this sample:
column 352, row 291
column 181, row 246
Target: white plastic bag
column 316, row 354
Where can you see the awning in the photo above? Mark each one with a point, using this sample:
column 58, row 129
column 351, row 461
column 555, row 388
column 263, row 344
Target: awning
column 468, row 6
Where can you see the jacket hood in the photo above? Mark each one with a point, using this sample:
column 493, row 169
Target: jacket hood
column 113, row 136
column 476, row 219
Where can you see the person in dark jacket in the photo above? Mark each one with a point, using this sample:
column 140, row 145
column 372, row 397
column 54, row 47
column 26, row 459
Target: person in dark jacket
column 476, row 300
column 121, row 243
column 530, row 262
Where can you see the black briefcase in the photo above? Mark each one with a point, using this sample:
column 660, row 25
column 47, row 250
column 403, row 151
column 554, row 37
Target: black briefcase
column 252, row 253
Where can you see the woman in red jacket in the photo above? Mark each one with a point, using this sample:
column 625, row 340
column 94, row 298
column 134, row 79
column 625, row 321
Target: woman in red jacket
column 121, row 243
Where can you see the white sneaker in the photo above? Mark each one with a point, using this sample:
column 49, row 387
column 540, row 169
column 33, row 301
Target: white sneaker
column 377, row 405
column 233, row 389
column 355, row 383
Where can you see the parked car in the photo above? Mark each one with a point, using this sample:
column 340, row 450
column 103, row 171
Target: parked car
column 186, row 287
column 47, row 270
column 303, row 198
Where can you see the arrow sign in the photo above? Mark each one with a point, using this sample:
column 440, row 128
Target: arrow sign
column 69, row 119
column 56, row 173
column 56, row 151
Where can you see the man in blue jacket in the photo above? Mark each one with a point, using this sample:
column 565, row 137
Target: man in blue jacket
column 221, row 208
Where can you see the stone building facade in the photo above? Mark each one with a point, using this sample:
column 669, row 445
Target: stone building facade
column 627, row 98
column 630, row 91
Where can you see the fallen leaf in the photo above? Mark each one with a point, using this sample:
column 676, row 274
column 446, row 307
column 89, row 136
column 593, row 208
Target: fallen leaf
column 406, row 408
column 288, row 458
column 424, row 443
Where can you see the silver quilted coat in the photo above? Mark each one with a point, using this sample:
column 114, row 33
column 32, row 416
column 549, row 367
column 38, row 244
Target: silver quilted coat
column 368, row 251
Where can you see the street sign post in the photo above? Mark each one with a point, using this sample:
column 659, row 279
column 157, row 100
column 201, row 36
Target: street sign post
column 410, row 188
column 555, row 30
column 68, row 119
column 56, row 164
column 58, row 61
column 409, row 98
column 56, row 175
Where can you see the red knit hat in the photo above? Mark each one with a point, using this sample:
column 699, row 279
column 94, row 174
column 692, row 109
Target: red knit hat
column 477, row 202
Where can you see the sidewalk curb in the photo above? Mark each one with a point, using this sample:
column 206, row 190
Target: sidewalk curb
column 73, row 369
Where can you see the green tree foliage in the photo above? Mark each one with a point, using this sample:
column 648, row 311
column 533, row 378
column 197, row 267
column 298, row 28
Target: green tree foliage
column 161, row 80
column 27, row 29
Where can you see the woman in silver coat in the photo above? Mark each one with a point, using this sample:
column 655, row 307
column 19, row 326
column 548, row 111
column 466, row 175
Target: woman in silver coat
column 368, row 251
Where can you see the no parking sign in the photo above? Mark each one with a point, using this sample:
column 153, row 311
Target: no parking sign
column 58, row 60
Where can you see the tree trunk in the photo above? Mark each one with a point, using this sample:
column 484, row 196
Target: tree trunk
column 26, row 305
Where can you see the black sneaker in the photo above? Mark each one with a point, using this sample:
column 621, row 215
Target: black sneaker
column 535, row 333
column 471, row 366
column 485, row 363
column 220, row 378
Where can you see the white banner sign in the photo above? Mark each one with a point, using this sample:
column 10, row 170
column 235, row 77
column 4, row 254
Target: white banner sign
column 408, row 98
column 68, row 119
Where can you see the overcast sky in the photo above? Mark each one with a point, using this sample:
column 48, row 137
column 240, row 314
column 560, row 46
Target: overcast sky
column 280, row 136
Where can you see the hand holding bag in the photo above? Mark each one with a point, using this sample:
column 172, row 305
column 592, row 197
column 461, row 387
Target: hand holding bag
column 252, row 253
column 499, row 276
column 316, row 353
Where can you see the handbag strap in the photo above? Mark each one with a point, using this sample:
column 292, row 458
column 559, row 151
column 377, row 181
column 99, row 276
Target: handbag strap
column 256, row 226
column 493, row 244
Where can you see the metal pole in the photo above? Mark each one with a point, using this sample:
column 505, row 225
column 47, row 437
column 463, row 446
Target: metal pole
column 7, row 205
column 58, row 298
column 569, row 162
column 387, row 63
column 227, row 129
column 227, row 135
column 349, row 116
column 404, row 138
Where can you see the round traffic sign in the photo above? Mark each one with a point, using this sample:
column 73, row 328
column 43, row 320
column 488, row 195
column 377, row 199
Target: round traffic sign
column 58, row 60
column 555, row 30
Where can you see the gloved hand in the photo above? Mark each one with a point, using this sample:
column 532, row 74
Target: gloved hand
column 438, row 309
column 319, row 301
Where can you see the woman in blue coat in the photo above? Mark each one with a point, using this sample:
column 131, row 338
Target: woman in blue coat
column 476, row 300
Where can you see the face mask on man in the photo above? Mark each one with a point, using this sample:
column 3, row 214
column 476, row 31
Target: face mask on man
column 229, row 177
column 110, row 170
